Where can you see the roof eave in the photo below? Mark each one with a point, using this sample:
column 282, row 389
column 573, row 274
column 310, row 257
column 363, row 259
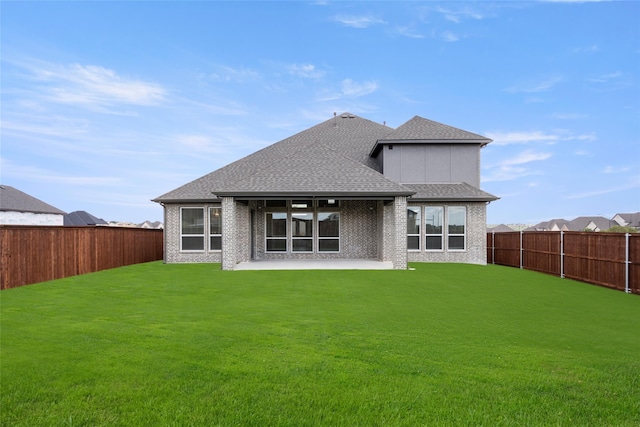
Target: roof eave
column 313, row 194
column 454, row 199
column 381, row 142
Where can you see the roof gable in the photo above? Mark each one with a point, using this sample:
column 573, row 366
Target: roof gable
column 347, row 135
column 419, row 130
column 12, row 199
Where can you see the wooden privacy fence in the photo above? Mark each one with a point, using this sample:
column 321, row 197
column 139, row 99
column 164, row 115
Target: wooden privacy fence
column 32, row 254
column 605, row 259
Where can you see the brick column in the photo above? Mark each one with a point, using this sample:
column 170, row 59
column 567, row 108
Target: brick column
column 228, row 233
column 400, row 240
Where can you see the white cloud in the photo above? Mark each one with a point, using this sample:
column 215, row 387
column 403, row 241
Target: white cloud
column 525, row 157
column 632, row 184
column 524, row 137
column 611, row 169
column 507, row 138
column 305, row 70
column 569, row 116
column 448, row 36
column 458, row 15
column 512, row 168
column 350, row 89
column 225, row 73
column 605, row 78
column 534, row 86
column 37, row 174
column 358, row 21
column 93, row 85
column 587, row 49
column 354, row 89
column 409, row 32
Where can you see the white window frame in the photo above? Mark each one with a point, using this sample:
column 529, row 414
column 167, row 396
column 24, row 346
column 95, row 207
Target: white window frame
column 464, row 234
column 442, row 224
column 211, row 210
column 192, row 235
column 419, row 222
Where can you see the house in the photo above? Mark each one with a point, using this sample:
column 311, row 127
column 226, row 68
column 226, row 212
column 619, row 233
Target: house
column 628, row 220
column 82, row 218
column 150, row 224
column 590, row 223
column 347, row 188
column 501, row 228
column 552, row 225
column 18, row 208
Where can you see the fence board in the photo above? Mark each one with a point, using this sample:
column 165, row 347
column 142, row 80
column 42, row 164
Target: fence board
column 32, row 254
column 598, row 258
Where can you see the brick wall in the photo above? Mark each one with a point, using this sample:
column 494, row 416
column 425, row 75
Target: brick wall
column 172, row 253
column 475, row 253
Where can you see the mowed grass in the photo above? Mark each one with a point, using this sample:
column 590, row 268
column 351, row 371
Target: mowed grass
column 445, row 344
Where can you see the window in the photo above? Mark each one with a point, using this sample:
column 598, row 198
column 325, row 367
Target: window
column 192, row 229
column 328, row 232
column 276, row 231
column 457, row 221
column 433, row 227
column 302, row 231
column 413, row 228
column 215, row 229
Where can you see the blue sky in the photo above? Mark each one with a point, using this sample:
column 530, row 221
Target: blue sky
column 106, row 105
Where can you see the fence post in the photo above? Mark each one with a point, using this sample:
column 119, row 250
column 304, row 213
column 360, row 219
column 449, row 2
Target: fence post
column 626, row 263
column 521, row 252
column 562, row 254
column 493, row 248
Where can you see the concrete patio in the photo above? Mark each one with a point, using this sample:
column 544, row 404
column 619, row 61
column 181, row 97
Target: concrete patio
column 316, row 264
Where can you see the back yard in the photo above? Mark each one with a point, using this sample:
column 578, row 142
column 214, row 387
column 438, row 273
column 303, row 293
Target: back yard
column 155, row 344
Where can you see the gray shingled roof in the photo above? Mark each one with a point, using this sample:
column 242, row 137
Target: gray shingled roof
column 331, row 158
column 314, row 169
column 80, row 218
column 348, row 136
column 419, row 130
column 449, row 192
column 12, row 199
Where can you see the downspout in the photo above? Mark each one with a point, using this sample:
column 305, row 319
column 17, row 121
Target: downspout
column 164, row 234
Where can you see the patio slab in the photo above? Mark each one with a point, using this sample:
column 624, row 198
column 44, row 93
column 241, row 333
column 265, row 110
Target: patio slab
column 316, row 264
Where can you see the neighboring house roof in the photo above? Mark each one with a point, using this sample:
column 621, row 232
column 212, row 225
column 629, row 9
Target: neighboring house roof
column 79, row 218
column 630, row 219
column 594, row 223
column 12, row 199
column 419, row 130
column 553, row 225
column 449, row 192
column 502, row 228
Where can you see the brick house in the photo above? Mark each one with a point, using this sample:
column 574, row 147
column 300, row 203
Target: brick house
column 347, row 188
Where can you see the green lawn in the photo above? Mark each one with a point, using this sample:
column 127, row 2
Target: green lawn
column 445, row 344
